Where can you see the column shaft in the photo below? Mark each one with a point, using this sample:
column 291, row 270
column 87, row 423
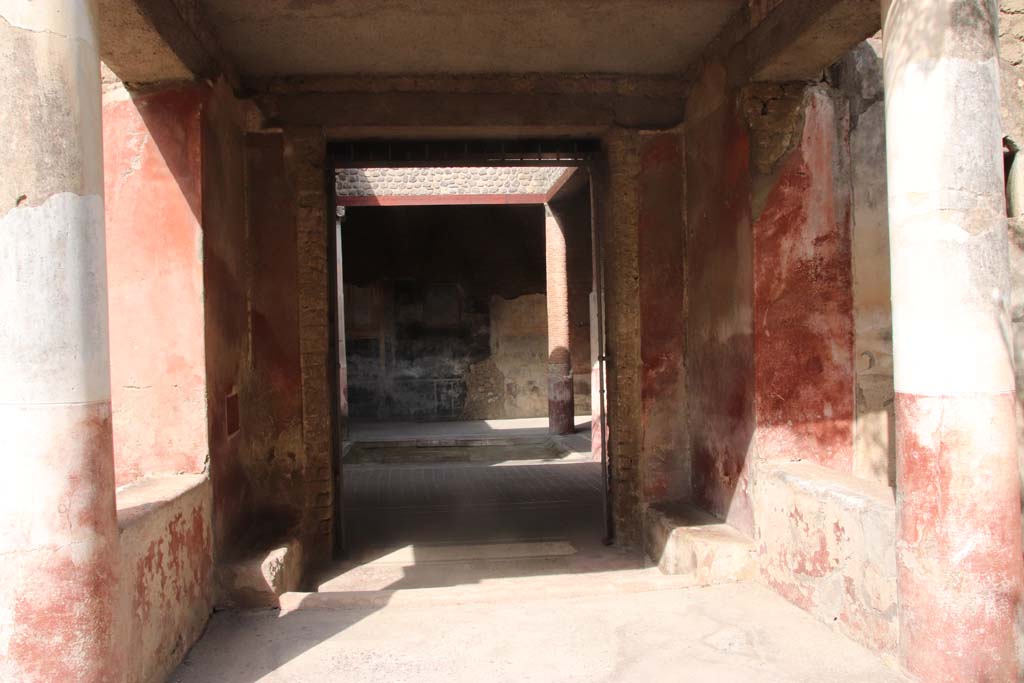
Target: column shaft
column 560, row 394
column 959, row 537
column 58, row 526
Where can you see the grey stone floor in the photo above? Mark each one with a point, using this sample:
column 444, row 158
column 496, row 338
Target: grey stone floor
column 741, row 633
column 480, row 569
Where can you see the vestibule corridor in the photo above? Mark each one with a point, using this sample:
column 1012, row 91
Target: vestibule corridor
column 285, row 398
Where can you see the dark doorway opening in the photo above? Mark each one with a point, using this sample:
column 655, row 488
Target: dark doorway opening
column 441, row 347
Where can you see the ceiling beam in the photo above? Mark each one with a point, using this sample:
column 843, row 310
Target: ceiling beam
column 793, row 41
column 156, row 41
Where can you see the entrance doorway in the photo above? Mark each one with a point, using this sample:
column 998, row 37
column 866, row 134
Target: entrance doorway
column 444, row 357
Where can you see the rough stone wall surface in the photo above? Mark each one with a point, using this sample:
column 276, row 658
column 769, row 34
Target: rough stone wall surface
column 152, row 178
column 617, row 218
column 368, row 182
column 165, row 591
column 803, row 303
column 719, row 320
column 305, row 150
column 1011, row 31
column 445, row 312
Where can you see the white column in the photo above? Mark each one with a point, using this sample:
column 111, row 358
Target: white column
column 58, row 526
column 959, row 538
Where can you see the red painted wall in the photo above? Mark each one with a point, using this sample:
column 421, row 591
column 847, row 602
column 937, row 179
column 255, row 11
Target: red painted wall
column 151, row 150
column 665, row 471
column 803, row 299
column 224, row 271
column 719, row 323
column 271, row 380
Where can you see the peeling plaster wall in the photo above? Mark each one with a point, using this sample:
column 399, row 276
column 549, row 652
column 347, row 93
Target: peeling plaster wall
column 803, row 298
column 445, row 312
column 152, row 177
column 771, row 329
column 827, row 544
column 153, row 185
column 165, row 594
column 825, row 523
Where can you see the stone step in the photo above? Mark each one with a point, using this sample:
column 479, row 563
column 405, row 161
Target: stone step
column 260, row 577
column 491, row 591
column 686, row 541
column 467, row 573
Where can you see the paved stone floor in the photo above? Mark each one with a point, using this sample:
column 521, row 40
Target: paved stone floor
column 741, row 633
column 487, row 564
column 504, row 499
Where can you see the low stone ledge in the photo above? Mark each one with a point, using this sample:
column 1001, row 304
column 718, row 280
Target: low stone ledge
column 827, row 543
column 684, row 540
column 259, row 578
column 147, row 496
column 165, row 591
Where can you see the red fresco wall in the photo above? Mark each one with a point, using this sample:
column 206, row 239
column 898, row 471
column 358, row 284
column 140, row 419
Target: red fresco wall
column 153, row 194
column 719, row 261
column 224, row 270
column 803, row 300
column 665, row 471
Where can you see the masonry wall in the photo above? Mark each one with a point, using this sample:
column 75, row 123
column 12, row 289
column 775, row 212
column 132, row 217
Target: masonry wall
column 445, row 312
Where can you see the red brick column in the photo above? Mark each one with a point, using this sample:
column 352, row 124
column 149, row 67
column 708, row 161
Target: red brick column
column 58, row 524
column 959, row 536
column 560, row 396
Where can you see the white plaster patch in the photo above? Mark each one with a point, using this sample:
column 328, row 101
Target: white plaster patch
column 53, row 302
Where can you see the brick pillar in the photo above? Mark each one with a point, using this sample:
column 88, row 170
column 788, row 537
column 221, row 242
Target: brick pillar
column 959, row 537
column 560, row 395
column 58, row 524
column 305, row 152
